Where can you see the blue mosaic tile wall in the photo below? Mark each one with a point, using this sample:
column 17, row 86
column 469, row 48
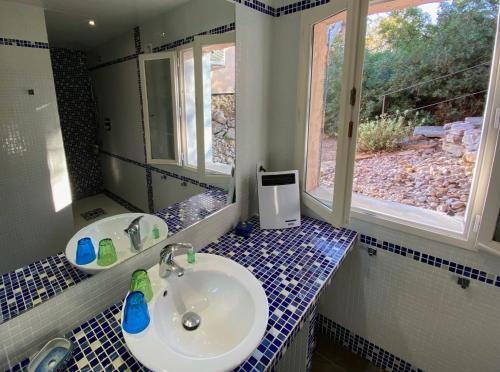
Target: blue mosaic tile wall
column 22, row 289
column 79, row 125
column 364, row 348
column 294, row 267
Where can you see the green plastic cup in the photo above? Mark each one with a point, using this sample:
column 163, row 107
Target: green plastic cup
column 140, row 282
column 107, row 253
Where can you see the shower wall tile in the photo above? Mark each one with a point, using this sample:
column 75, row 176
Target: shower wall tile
column 33, row 175
column 120, row 46
column 126, row 180
column 117, row 95
column 77, row 113
column 163, row 186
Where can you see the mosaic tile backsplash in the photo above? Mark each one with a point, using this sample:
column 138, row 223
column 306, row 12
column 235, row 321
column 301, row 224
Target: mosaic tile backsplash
column 293, row 266
column 78, row 120
column 24, row 288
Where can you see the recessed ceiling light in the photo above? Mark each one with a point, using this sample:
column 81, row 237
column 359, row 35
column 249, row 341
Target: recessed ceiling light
column 91, row 23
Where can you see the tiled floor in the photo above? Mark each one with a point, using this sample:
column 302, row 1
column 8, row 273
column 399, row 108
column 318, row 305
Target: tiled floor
column 332, row 357
column 91, row 203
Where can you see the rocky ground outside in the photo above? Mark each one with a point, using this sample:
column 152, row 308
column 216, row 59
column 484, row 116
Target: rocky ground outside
column 432, row 172
column 223, row 128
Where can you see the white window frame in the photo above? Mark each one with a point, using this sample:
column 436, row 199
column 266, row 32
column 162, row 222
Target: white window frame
column 338, row 215
column 357, row 11
column 197, row 47
column 172, row 56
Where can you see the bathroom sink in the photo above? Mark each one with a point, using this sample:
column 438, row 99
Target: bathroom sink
column 230, row 303
column 113, row 227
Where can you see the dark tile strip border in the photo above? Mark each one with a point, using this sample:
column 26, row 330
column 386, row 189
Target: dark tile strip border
column 122, row 202
column 171, row 45
column 24, row 43
column 282, row 10
column 362, row 347
column 438, row 262
column 174, row 44
column 113, row 62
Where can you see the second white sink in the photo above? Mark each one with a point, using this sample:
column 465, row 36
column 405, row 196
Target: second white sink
column 113, row 228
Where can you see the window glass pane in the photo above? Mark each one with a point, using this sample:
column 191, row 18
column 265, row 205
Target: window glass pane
column 425, row 83
column 161, row 120
column 189, row 104
column 324, row 107
column 219, row 106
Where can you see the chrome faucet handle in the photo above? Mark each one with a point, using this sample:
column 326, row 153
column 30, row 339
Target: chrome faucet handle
column 134, row 224
column 134, row 232
column 167, row 264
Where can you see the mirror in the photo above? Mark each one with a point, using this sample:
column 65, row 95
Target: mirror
column 122, row 132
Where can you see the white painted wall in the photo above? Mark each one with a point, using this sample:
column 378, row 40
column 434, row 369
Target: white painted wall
column 32, row 160
column 253, row 103
column 412, row 310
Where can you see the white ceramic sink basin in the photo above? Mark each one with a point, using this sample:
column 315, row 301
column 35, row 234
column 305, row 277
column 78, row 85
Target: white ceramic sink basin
column 113, row 227
column 229, row 300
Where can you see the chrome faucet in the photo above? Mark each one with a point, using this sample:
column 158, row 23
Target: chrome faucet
column 134, row 232
column 167, row 263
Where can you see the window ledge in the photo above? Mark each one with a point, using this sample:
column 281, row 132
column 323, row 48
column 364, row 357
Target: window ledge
column 422, row 222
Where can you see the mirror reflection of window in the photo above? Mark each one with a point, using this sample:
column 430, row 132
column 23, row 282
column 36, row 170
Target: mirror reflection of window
column 219, row 106
column 161, row 124
column 189, row 106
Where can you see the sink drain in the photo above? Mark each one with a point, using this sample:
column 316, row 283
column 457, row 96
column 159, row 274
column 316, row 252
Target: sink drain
column 191, row 321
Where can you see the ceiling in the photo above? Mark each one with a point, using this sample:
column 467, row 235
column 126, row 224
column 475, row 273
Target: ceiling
column 67, row 20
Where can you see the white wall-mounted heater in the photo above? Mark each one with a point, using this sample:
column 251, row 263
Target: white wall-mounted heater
column 279, row 199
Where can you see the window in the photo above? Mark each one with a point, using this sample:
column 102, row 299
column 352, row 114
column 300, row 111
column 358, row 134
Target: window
column 400, row 99
column 201, row 136
column 158, row 73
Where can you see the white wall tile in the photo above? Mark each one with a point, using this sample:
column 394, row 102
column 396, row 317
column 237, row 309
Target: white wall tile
column 192, row 18
column 32, row 159
column 119, row 47
column 20, row 21
column 126, row 180
column 169, row 191
column 416, row 312
column 117, row 93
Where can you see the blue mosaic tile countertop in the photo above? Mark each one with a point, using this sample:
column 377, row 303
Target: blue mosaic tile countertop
column 24, row 288
column 293, row 265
